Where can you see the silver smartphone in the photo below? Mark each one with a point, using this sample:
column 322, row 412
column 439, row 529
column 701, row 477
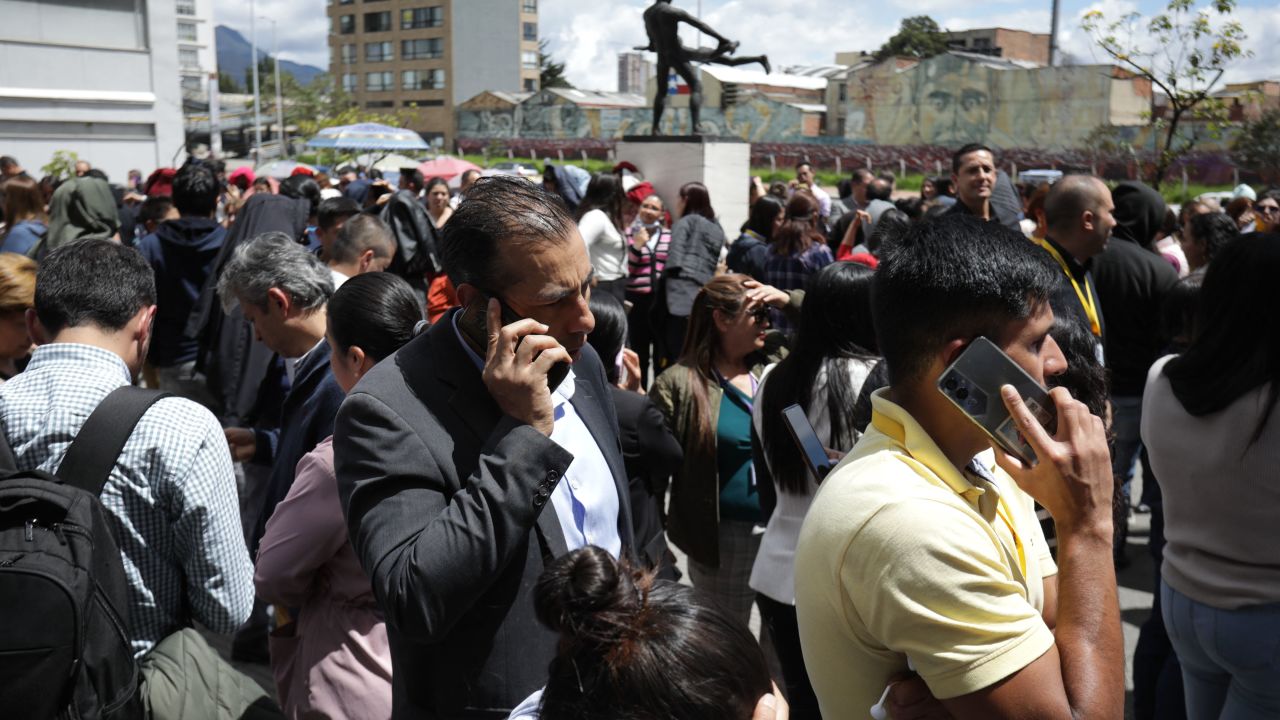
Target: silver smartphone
column 973, row 384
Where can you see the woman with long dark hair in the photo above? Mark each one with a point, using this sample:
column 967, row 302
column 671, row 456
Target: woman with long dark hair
column 329, row 655
column 600, row 223
column 438, row 208
column 1209, row 425
column 834, row 352
column 643, row 649
column 750, row 251
column 696, row 243
column 24, row 214
column 797, row 251
column 715, row 511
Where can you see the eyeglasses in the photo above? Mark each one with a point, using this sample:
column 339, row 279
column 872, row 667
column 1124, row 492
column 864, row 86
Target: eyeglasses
column 760, row 315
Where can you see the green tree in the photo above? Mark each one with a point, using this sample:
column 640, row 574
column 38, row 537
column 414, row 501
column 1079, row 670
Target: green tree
column 550, row 72
column 918, row 36
column 1257, row 147
column 321, row 104
column 1183, row 52
column 228, row 84
column 61, row 165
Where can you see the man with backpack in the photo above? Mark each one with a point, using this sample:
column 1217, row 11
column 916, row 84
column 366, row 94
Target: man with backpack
column 168, row 502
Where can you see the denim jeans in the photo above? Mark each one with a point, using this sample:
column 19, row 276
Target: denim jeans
column 1230, row 658
column 1126, row 414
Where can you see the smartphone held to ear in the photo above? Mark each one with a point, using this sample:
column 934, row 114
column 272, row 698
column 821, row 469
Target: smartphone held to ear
column 473, row 323
column 973, row 383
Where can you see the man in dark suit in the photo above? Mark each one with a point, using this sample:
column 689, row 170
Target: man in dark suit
column 463, row 472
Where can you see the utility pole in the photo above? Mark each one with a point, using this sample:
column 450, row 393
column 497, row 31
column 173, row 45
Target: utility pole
column 257, row 106
column 1053, row 36
column 275, row 61
column 215, row 117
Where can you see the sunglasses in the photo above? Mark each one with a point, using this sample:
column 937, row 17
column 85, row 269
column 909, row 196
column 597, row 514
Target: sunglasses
column 760, row 315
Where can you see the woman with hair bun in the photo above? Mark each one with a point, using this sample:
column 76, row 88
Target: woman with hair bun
column 643, row 649
column 329, row 652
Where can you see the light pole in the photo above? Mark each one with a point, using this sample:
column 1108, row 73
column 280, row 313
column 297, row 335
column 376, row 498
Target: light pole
column 257, row 109
column 275, row 62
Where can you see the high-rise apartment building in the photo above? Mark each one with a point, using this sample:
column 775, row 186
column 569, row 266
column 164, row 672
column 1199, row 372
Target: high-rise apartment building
column 197, row 53
column 427, row 56
column 634, row 70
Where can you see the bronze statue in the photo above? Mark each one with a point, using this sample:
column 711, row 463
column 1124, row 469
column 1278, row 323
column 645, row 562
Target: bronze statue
column 661, row 21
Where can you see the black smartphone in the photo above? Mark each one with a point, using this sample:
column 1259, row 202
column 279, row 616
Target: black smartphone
column 474, row 324
column 811, row 449
column 973, row 384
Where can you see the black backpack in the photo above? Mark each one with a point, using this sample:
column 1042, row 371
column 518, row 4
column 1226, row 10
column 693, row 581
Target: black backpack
column 64, row 650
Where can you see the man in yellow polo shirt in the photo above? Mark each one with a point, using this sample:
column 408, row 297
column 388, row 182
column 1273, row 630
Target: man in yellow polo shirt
column 922, row 550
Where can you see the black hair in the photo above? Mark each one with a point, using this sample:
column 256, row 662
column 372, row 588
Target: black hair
column 879, row 189
column 804, row 163
column 434, row 181
column 697, row 201
column 610, row 333
column 195, row 190
column 1233, row 353
column 1214, row 230
column 635, row 648
column 958, row 157
column 154, row 208
column 604, row 193
column 362, row 232
column 912, row 207
column 1085, row 378
column 835, row 328
column 765, row 210
column 944, row 186
column 335, row 209
column 412, row 176
column 8, row 161
column 303, row 188
column 93, row 282
column 264, row 181
column 1178, row 314
column 893, row 224
column 860, row 176
column 376, row 312
column 500, row 212
column 955, row 276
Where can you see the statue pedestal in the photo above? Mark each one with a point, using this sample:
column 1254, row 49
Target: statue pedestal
column 722, row 164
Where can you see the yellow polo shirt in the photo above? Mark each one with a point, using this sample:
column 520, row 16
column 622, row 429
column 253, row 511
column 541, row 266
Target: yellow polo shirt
column 902, row 555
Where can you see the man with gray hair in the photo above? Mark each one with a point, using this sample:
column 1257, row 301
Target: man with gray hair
column 283, row 291
column 364, row 244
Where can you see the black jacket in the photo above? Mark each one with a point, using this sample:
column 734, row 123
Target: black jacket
column 652, row 456
column 448, row 507
column 181, row 253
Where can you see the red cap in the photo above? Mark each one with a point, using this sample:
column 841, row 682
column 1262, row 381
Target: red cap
column 303, row 170
column 641, row 191
column 160, row 182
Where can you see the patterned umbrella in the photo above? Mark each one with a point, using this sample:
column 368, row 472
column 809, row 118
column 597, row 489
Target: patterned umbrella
column 368, row 136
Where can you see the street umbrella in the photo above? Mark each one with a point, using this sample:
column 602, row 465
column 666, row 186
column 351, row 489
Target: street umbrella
column 446, row 166
column 387, row 163
column 368, row 136
column 281, row 169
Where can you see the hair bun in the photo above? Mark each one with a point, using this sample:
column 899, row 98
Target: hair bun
column 582, row 594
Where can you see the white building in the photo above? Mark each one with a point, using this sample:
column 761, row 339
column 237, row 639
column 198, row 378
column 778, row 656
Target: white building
column 197, row 51
column 634, row 69
column 99, row 79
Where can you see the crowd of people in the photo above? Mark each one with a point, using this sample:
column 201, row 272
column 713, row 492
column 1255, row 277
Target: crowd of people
column 431, row 453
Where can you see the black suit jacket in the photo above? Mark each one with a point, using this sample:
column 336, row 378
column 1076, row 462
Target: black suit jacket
column 652, row 456
column 447, row 505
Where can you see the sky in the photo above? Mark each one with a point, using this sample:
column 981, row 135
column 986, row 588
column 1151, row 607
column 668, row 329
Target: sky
column 587, row 35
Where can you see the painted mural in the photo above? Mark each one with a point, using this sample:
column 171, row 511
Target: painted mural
column 547, row 115
column 950, row 100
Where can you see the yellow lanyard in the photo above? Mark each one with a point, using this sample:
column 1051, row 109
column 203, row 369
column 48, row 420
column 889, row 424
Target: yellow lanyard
column 1086, row 300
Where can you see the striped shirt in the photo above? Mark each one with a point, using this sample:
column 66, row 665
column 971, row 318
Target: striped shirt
column 172, row 496
column 644, row 265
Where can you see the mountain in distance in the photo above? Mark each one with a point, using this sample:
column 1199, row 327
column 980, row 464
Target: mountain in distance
column 235, row 51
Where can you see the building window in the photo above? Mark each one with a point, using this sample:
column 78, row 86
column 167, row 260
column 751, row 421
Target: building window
column 186, row 7
column 187, row 58
column 529, row 59
column 421, row 49
column 380, row 104
column 378, row 52
column 346, row 24
column 844, row 92
column 349, row 54
column 422, row 80
column 424, row 103
column 421, row 18
column 346, row 2
column 377, row 81
column 531, row 85
column 531, row 6
column 187, row 31
column 191, row 83
column 530, row 31
column 377, row 22
column 350, row 83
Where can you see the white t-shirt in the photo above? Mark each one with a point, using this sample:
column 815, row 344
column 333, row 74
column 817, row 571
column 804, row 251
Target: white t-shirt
column 605, row 245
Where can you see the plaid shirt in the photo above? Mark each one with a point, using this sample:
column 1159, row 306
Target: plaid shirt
column 791, row 272
column 172, row 495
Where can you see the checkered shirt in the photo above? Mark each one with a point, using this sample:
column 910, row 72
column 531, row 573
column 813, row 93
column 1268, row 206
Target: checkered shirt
column 791, row 272
column 172, row 495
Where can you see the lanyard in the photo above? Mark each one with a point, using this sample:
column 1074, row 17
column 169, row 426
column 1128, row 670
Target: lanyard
column 1086, row 300
column 750, row 399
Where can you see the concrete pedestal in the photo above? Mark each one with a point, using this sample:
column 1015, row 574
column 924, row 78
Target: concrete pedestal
column 722, row 164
